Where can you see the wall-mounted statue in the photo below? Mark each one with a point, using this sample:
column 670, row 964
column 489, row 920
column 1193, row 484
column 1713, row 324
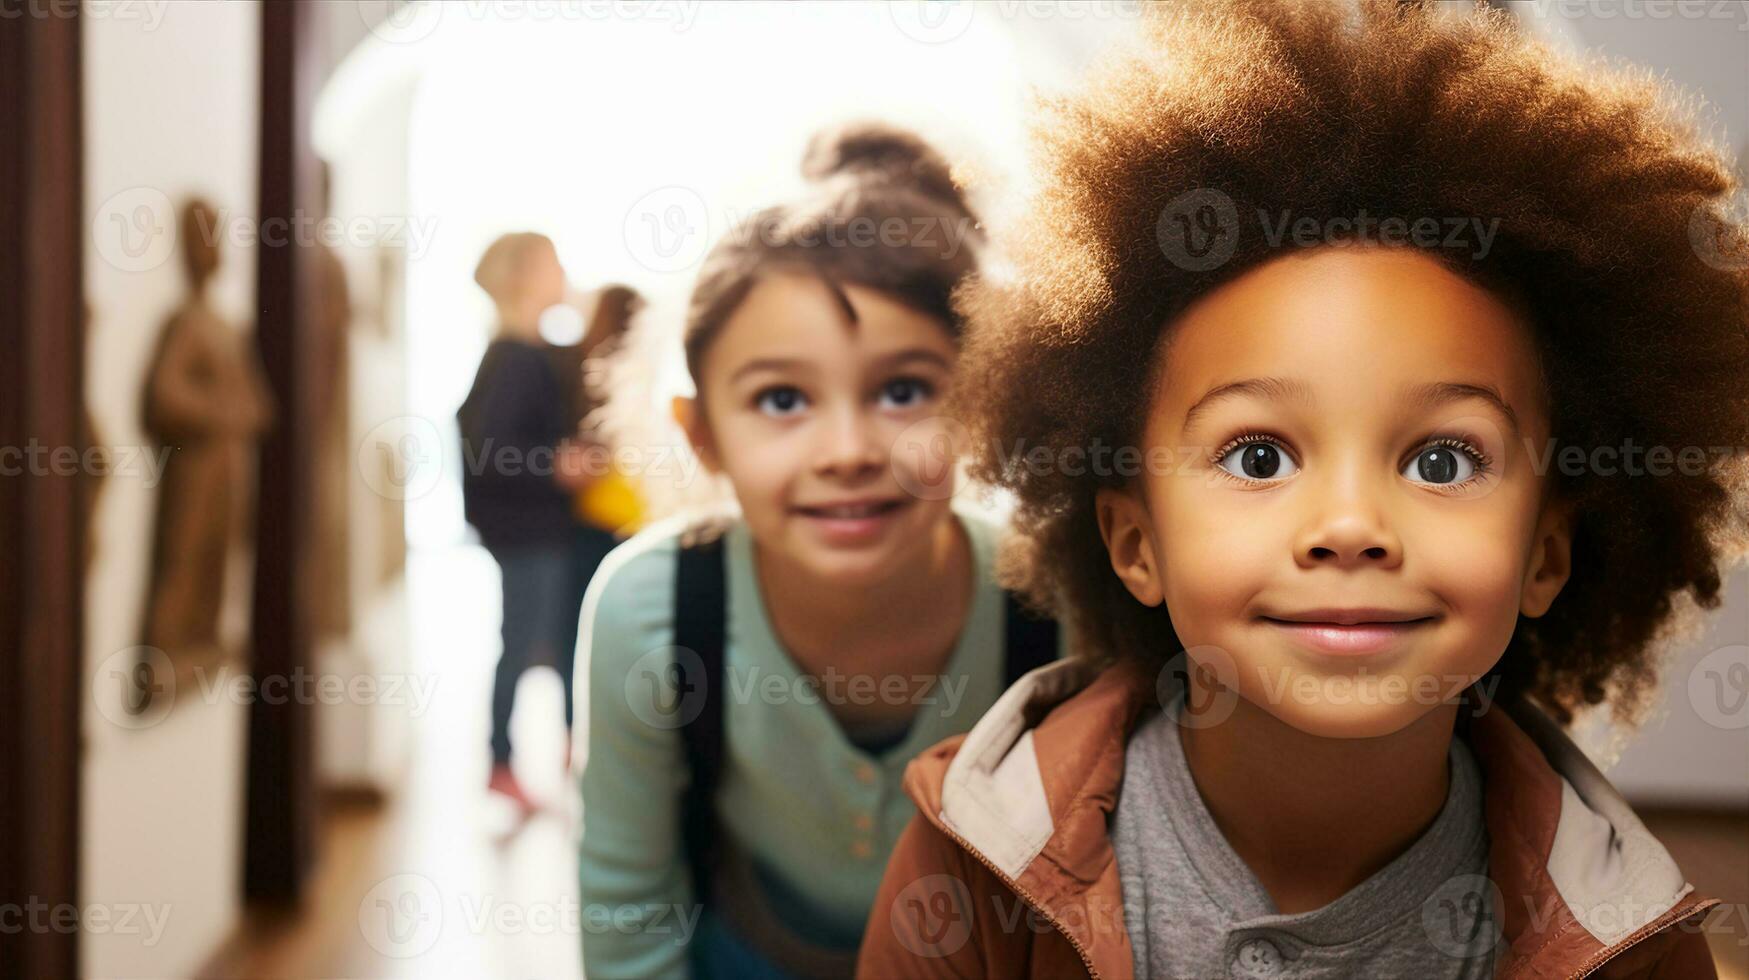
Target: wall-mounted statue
column 206, row 400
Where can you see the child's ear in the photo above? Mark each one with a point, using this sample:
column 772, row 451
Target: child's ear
column 1129, row 541
column 1551, row 559
column 690, row 417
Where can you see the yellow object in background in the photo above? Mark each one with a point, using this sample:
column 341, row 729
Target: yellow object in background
column 610, row 502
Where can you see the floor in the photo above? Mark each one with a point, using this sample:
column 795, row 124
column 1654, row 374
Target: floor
column 441, row 881
column 1713, row 850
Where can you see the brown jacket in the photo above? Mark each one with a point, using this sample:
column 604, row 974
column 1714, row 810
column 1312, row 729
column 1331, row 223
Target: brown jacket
column 1008, row 869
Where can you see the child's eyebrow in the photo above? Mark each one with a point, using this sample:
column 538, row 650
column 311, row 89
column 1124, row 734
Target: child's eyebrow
column 1435, row 393
column 1273, row 389
column 1424, row 396
column 885, row 363
column 897, row 358
column 768, row 364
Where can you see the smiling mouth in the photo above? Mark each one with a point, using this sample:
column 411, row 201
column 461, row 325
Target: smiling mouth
column 859, row 510
column 1349, row 638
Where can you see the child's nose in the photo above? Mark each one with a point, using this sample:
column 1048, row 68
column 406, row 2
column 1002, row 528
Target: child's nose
column 1348, row 525
column 850, row 446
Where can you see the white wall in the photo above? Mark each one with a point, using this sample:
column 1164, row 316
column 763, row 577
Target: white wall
column 362, row 132
column 171, row 109
column 1694, row 751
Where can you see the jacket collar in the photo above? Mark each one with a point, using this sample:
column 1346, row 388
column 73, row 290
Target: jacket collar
column 1031, row 788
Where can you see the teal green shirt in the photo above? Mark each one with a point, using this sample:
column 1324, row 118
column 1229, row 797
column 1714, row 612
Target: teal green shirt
column 810, row 808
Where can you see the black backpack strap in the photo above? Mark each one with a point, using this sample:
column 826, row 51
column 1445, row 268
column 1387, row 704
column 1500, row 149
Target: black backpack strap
column 1028, row 640
column 700, row 616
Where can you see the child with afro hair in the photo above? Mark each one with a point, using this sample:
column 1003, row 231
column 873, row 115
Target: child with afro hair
column 1370, row 382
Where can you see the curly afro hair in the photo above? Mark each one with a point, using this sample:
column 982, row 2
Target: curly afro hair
column 1615, row 239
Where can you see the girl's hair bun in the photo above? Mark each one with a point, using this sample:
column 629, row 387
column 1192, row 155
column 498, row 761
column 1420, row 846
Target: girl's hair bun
column 879, row 153
column 867, row 178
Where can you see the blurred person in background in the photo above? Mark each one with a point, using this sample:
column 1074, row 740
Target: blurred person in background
column 521, row 468
column 607, row 506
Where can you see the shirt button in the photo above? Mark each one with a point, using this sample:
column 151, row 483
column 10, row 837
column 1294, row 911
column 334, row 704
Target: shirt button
column 865, row 773
column 861, row 849
column 1257, row 958
column 864, row 822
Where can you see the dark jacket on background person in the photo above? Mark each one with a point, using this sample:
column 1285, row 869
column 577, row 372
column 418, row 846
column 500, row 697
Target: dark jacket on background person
column 511, row 424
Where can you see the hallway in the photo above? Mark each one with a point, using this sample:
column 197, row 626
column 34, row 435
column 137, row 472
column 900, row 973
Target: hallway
column 440, row 881
column 304, row 192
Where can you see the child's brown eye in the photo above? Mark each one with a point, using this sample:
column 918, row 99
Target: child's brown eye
column 1257, row 459
column 904, row 392
column 780, row 400
column 1440, row 465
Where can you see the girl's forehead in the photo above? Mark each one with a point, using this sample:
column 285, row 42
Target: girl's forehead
column 801, row 318
column 1351, row 326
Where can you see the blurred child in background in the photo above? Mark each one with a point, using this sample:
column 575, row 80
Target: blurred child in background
column 520, row 472
column 607, row 506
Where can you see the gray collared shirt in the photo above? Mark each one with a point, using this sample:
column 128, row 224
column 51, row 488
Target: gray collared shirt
column 1194, row 909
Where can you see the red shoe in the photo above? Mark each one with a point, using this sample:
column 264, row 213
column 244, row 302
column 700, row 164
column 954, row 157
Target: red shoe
column 503, row 782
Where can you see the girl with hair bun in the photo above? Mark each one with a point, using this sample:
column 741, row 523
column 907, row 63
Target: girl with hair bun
column 756, row 685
